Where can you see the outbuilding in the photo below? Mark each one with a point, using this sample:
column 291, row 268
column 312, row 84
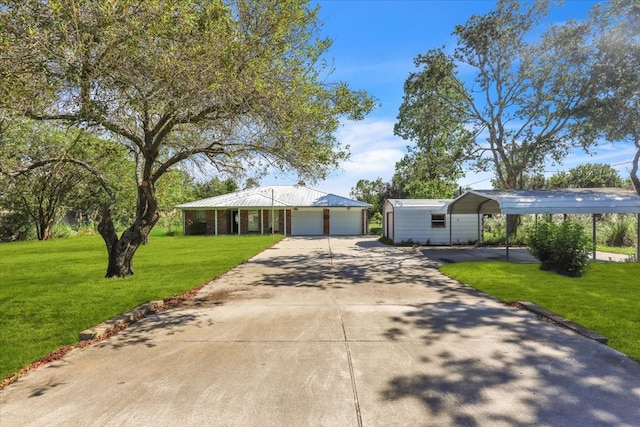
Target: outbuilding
column 425, row 222
column 294, row 210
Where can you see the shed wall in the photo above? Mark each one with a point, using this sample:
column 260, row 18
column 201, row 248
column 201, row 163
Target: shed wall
column 414, row 225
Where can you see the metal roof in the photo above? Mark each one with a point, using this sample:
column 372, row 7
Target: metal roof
column 277, row 196
column 419, row 203
column 565, row 201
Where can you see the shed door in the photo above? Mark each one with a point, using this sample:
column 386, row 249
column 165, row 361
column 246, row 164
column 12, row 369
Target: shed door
column 345, row 223
column 389, row 225
column 307, row 222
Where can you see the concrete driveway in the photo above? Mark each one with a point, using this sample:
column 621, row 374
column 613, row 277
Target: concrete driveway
column 334, row 332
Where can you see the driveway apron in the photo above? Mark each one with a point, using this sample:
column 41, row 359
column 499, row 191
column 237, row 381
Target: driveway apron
column 334, row 332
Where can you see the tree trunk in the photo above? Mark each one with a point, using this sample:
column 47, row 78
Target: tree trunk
column 634, row 169
column 121, row 250
column 43, row 227
column 512, row 227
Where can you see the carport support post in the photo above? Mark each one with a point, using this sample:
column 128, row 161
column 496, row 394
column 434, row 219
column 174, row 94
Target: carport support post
column 593, row 216
column 507, row 235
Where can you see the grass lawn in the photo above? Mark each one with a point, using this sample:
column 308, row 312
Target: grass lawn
column 605, row 299
column 629, row 250
column 50, row 291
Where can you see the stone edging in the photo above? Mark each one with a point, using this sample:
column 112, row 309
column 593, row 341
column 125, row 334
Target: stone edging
column 121, row 320
column 563, row 322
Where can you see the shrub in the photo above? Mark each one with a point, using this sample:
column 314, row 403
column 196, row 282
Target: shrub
column 571, row 249
column 541, row 242
column 620, row 232
column 561, row 247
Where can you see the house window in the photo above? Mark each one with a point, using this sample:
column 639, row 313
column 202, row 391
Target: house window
column 253, row 221
column 201, row 216
column 438, row 221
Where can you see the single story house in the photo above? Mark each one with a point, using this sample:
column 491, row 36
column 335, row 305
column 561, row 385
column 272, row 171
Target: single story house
column 425, row 221
column 294, row 210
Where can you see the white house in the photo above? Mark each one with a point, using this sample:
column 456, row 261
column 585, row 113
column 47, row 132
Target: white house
column 426, row 222
column 287, row 209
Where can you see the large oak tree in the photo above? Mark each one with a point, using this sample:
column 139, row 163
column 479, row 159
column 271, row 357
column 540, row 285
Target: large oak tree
column 235, row 84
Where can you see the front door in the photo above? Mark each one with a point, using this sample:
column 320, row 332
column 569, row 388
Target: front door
column 235, row 221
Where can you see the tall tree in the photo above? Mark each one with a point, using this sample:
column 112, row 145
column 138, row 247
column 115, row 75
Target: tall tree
column 233, row 83
column 612, row 109
column 433, row 117
column 520, row 101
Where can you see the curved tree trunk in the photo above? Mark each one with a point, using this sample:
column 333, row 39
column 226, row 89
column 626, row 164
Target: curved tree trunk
column 121, row 250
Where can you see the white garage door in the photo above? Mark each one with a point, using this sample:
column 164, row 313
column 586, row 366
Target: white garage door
column 345, row 223
column 306, row 223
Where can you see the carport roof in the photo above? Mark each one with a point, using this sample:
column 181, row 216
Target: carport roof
column 419, row 203
column 565, row 201
column 277, row 196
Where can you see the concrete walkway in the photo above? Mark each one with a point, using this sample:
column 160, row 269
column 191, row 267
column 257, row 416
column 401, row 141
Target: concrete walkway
column 334, row 332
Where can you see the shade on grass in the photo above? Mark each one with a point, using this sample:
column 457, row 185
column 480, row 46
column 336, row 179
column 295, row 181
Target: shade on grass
column 605, row 299
column 52, row 290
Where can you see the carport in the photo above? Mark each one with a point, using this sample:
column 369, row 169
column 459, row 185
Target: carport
column 569, row 201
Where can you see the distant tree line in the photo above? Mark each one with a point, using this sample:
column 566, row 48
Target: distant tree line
column 588, row 175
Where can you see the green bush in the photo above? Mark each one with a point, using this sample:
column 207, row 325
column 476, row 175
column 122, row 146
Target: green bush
column 620, row 232
column 541, row 243
column 561, row 247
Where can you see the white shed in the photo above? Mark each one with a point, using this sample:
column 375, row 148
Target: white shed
column 425, row 222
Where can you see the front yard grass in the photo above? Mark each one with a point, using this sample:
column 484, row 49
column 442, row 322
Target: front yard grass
column 52, row 290
column 605, row 299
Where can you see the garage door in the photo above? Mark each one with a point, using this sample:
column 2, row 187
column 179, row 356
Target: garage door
column 345, row 223
column 306, row 223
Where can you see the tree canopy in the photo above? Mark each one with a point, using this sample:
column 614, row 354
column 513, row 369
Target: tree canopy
column 612, row 109
column 236, row 84
column 518, row 105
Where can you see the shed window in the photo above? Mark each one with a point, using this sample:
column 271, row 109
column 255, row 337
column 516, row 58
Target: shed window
column 254, row 221
column 438, row 221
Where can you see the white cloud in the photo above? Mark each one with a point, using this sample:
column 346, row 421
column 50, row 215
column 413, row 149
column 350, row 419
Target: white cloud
column 374, row 152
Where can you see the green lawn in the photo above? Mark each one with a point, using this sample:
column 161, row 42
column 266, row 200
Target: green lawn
column 52, row 290
column 628, row 250
column 605, row 299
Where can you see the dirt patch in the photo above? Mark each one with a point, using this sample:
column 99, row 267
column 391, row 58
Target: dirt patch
column 220, row 296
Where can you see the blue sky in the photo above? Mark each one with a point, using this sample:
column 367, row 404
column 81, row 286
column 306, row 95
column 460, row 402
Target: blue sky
column 374, row 44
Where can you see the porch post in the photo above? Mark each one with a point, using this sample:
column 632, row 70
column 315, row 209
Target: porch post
column 450, row 230
column 215, row 221
column 239, row 220
column 285, row 221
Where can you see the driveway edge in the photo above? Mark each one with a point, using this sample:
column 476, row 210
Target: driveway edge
column 563, row 322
